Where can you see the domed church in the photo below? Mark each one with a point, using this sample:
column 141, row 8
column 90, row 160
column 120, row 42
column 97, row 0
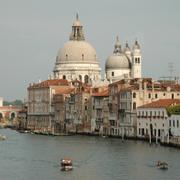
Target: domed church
column 124, row 63
column 77, row 60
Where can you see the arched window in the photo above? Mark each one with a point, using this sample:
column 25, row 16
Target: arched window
column 112, row 73
column 112, row 131
column 82, row 56
column 134, row 95
column 159, row 132
column 13, row 115
column 66, row 57
column 64, row 77
column 149, row 95
column 80, row 77
column 139, row 60
column 86, row 79
column 1, row 116
column 134, row 105
column 172, row 96
column 78, row 32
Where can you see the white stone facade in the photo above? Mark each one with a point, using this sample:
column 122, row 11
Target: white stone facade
column 174, row 124
column 77, row 60
column 124, row 63
column 152, row 123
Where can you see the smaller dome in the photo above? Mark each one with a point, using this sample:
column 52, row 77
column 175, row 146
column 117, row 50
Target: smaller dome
column 118, row 59
column 117, row 62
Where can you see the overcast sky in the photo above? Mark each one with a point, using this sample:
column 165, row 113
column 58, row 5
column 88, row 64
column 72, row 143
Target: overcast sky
column 32, row 31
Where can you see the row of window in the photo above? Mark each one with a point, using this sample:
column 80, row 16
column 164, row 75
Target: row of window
column 12, row 115
column 154, row 124
column 145, row 132
column 151, row 113
column 119, row 132
column 86, row 78
column 137, row 60
column 174, row 123
column 82, row 57
column 155, row 96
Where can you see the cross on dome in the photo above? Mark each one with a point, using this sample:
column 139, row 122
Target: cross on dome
column 77, row 17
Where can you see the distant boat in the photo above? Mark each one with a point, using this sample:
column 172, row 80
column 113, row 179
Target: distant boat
column 66, row 164
column 162, row 165
column 2, row 137
column 104, row 136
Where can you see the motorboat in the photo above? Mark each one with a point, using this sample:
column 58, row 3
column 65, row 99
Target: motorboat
column 66, row 164
column 162, row 165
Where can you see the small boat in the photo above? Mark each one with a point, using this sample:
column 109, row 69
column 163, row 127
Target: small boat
column 66, row 164
column 162, row 165
column 2, row 137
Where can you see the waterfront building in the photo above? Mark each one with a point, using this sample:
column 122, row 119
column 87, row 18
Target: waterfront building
column 9, row 114
column 154, row 121
column 78, row 111
column 174, row 120
column 78, row 60
column 76, row 99
column 100, row 111
column 40, row 109
column 59, row 107
column 22, row 117
column 124, row 63
column 128, row 94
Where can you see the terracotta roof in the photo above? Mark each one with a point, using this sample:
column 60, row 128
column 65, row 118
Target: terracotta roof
column 77, row 81
column 130, row 88
column 10, row 108
column 103, row 93
column 118, row 82
column 162, row 103
column 50, row 82
column 64, row 90
column 132, row 81
column 158, row 86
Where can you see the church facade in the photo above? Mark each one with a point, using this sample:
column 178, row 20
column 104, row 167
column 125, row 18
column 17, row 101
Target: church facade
column 74, row 94
column 124, row 63
column 77, row 60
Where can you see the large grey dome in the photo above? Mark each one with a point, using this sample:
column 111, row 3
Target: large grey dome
column 77, row 51
column 77, row 59
column 117, row 61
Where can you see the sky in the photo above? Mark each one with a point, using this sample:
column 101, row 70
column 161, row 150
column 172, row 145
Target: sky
column 32, row 32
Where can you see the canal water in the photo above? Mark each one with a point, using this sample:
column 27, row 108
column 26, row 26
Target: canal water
column 36, row 157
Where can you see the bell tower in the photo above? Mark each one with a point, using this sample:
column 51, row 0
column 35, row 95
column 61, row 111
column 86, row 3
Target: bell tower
column 136, row 61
